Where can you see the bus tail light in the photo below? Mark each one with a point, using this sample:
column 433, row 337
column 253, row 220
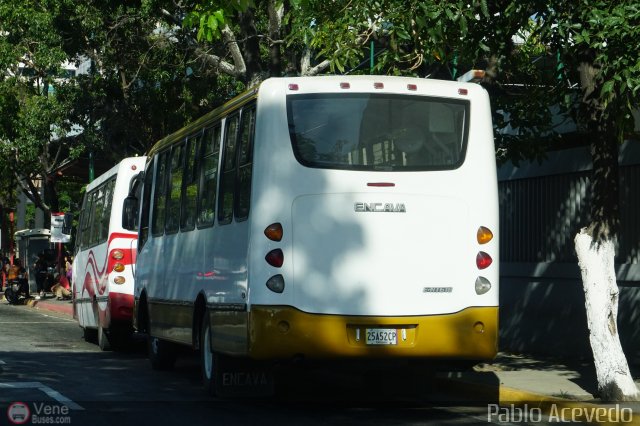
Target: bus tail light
column 117, row 254
column 274, row 232
column 119, row 279
column 276, row 283
column 118, row 267
column 483, row 260
column 483, row 285
column 484, row 235
column 275, row 258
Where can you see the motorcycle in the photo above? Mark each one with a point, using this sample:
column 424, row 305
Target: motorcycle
column 17, row 290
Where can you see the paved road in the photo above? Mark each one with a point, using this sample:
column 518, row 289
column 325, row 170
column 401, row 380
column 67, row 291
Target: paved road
column 59, row 377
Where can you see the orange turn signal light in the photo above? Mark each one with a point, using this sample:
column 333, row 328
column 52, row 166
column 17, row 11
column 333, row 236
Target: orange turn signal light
column 484, row 235
column 274, row 232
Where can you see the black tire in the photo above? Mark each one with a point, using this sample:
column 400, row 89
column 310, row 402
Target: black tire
column 11, row 296
column 90, row 335
column 103, row 339
column 215, row 365
column 208, row 359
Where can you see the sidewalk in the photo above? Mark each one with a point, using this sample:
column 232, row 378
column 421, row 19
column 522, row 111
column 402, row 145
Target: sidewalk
column 564, row 389
column 511, row 380
column 48, row 302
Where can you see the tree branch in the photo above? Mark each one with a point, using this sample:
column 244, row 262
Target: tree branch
column 307, row 69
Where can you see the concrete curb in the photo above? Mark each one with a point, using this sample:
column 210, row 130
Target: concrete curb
column 510, row 399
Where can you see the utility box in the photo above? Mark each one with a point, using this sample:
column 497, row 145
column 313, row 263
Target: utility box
column 30, row 242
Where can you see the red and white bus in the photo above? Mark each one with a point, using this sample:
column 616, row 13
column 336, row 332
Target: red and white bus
column 104, row 259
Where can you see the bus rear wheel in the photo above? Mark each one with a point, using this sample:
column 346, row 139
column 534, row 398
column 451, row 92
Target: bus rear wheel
column 90, row 335
column 209, row 360
column 103, row 339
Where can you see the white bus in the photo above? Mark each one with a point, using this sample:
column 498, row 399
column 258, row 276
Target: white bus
column 104, row 257
column 323, row 218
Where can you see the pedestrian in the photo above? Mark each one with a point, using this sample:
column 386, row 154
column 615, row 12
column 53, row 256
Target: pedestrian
column 61, row 288
column 41, row 271
column 4, row 272
column 68, row 267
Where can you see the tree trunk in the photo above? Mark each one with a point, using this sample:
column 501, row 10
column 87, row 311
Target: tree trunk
column 595, row 245
column 596, row 262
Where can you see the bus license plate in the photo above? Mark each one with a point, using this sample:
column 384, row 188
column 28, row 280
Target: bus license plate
column 382, row 336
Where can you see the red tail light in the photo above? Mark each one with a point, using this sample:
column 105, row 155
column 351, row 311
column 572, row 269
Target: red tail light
column 275, row 258
column 483, row 260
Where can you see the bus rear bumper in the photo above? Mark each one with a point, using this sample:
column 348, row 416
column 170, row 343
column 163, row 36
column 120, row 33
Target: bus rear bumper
column 281, row 332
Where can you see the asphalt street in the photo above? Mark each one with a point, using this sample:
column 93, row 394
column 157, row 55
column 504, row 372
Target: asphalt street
column 48, row 367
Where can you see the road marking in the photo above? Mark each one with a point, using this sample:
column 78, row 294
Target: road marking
column 59, row 318
column 43, row 388
column 38, row 322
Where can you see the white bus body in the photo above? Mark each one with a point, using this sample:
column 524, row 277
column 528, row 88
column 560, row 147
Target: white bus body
column 384, row 190
column 102, row 269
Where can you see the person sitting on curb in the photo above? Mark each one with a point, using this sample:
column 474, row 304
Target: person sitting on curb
column 62, row 288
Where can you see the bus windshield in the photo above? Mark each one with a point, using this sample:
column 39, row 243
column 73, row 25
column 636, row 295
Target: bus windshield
column 377, row 132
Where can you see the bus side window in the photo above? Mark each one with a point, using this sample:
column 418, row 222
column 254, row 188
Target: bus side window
column 245, row 158
column 160, row 195
column 106, row 213
column 227, row 182
column 190, row 183
column 86, row 230
column 96, row 215
column 209, row 175
column 145, row 208
column 175, row 189
column 81, row 220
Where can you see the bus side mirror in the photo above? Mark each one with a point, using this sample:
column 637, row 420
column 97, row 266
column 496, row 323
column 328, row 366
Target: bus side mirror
column 130, row 213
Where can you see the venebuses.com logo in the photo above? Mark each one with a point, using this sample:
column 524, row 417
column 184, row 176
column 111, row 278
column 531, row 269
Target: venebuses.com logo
column 20, row 413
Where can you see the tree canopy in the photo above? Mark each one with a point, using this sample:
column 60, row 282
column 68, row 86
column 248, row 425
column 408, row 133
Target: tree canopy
column 148, row 67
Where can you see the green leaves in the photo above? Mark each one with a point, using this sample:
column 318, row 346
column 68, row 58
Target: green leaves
column 210, row 16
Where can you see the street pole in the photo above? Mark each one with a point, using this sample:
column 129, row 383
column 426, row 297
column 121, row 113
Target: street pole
column 91, row 172
column 371, row 58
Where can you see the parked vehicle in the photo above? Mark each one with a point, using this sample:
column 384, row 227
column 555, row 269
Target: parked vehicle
column 338, row 217
column 102, row 271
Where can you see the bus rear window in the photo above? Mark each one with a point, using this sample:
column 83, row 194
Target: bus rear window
column 378, row 132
